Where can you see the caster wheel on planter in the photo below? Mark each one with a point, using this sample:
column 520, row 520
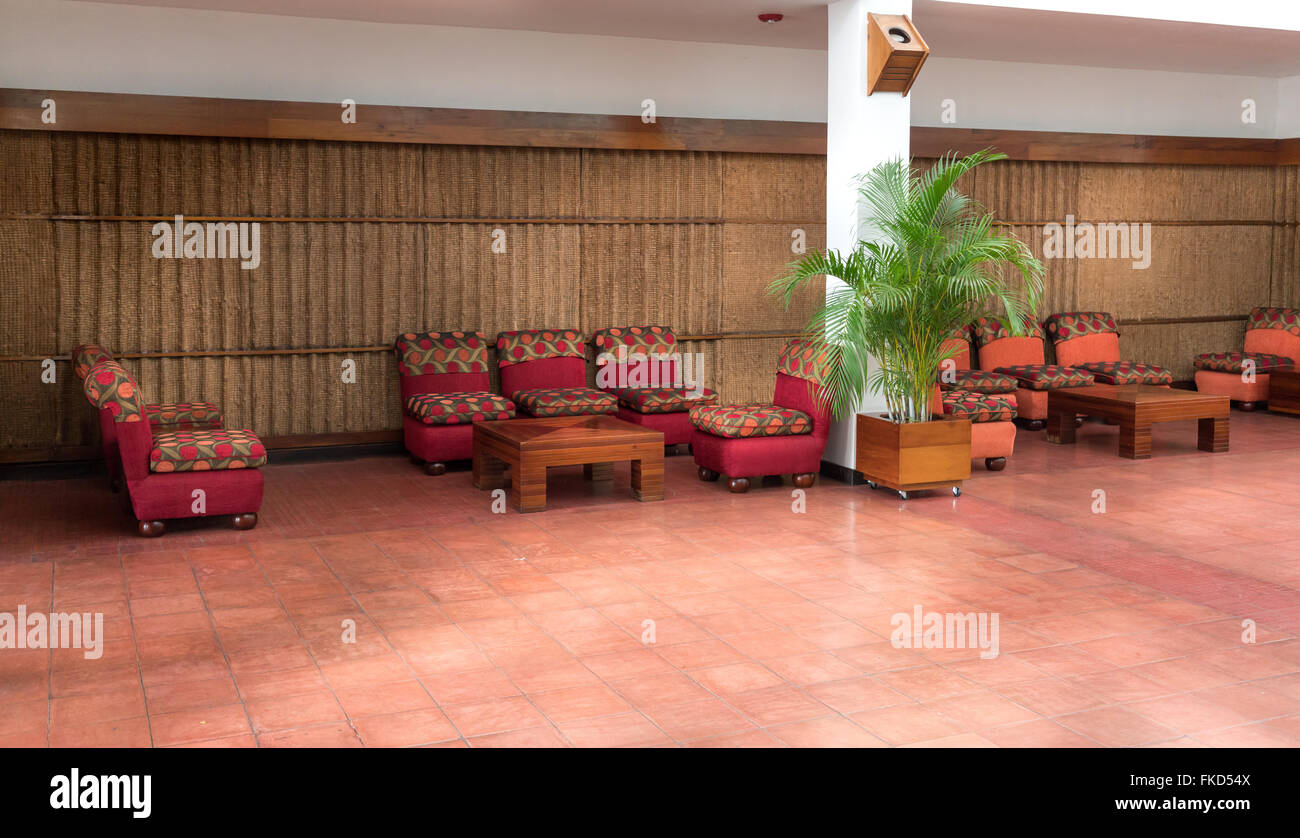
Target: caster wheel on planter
column 956, row 491
column 902, row 495
column 871, row 484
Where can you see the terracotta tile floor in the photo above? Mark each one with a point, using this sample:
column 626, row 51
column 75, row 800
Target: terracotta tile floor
column 706, row 620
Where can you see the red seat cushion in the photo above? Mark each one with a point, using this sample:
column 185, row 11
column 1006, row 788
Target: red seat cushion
column 1047, row 376
column 1233, row 361
column 751, row 420
column 206, row 451
column 1128, row 372
column 663, row 399
column 183, row 416
column 977, row 381
column 566, row 401
column 457, row 408
column 979, row 407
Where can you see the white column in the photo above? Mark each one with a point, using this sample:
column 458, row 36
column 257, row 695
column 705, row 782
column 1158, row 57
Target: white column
column 861, row 131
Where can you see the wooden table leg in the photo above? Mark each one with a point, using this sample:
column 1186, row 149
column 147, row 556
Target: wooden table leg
column 528, row 488
column 598, row 472
column 489, row 471
column 1212, row 434
column 648, row 478
column 1134, row 440
column 1060, row 428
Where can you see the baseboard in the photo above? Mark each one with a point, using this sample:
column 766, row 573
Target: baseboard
column 843, row 474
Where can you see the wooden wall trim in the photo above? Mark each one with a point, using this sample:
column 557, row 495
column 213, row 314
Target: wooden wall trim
column 131, row 113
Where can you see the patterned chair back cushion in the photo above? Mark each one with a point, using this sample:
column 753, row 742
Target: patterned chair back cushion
column 441, row 353
column 623, row 357
column 636, row 340
column 1274, row 331
column 804, row 359
column 85, row 357
column 524, row 345
column 988, row 329
column 1069, row 325
column 109, row 387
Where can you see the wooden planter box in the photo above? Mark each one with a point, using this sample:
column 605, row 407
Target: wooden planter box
column 913, row 456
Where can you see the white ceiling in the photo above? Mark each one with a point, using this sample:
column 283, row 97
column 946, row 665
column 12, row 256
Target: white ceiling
column 953, row 29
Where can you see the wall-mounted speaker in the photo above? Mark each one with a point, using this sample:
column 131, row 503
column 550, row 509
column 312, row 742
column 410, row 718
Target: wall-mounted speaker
column 895, row 53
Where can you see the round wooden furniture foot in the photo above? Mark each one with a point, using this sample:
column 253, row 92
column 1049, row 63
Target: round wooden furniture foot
column 1078, row 421
column 995, row 463
column 708, row 474
column 1035, row 424
column 803, row 481
column 246, row 521
column 150, row 529
column 1247, row 407
column 435, row 468
column 739, row 485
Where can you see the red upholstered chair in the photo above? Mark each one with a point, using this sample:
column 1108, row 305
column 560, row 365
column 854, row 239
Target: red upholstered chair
column 640, row 366
column 1272, row 343
column 787, row 436
column 445, row 390
column 544, row 372
column 163, row 418
column 987, row 399
column 1023, row 358
column 1089, row 340
column 187, row 474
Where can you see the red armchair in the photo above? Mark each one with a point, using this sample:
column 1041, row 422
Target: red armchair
column 187, row 474
column 987, row 399
column 162, row 418
column 544, row 372
column 787, row 436
column 1272, row 343
column 1023, row 359
column 639, row 365
column 1089, row 340
column 445, row 390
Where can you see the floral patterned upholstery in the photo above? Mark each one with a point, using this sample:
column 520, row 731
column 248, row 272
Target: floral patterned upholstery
column 1272, row 317
column 637, row 340
column 663, row 399
column 977, row 381
column 458, row 408
column 1234, row 362
column 1127, row 372
column 1076, row 324
column 803, row 359
column 109, row 387
column 537, row 345
column 183, row 416
column 206, row 451
column 739, row 421
column 989, row 329
column 566, row 401
column 436, row 353
column 85, row 357
column 1047, row 376
column 979, row 407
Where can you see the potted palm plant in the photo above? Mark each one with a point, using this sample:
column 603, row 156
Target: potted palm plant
column 935, row 261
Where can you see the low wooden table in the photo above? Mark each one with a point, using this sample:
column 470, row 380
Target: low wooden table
column 530, row 446
column 1284, row 391
column 1136, row 407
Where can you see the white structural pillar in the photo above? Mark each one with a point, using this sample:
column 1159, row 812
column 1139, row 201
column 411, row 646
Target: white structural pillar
column 861, row 131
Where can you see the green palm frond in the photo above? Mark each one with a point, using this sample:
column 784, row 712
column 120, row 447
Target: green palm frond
column 933, row 261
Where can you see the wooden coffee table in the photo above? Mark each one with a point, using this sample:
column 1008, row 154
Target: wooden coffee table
column 530, row 446
column 1136, row 407
column 1284, row 391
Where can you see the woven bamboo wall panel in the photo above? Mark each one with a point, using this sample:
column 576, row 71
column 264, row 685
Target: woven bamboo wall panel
column 1286, row 194
column 28, row 289
column 1173, row 346
column 1109, row 192
column 500, row 182
column 28, row 168
column 1016, row 190
column 752, row 256
column 774, row 187
column 651, row 184
column 1195, row 271
column 634, row 274
column 749, row 370
column 1286, row 267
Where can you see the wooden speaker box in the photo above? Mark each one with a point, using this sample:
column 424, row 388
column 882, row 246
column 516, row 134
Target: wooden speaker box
column 895, row 53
